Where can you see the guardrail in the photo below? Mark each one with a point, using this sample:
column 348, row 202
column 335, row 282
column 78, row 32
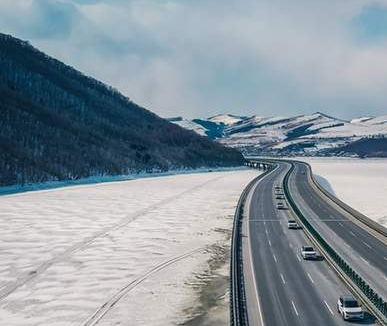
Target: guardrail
column 369, row 295
column 362, row 218
column 238, row 311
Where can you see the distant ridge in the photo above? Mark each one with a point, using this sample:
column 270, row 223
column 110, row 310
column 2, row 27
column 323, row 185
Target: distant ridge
column 315, row 134
column 58, row 124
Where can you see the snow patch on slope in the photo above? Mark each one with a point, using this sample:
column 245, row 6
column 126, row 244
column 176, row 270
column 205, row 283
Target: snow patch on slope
column 226, row 119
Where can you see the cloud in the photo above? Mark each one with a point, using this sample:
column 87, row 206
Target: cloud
column 371, row 23
column 37, row 19
column 198, row 58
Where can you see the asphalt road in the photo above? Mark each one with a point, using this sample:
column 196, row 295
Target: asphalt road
column 363, row 251
column 281, row 288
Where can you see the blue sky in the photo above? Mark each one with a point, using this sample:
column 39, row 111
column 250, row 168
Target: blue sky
column 197, row 58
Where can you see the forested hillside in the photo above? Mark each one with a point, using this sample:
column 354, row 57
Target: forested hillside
column 57, row 124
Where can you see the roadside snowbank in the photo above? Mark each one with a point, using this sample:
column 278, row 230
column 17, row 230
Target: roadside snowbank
column 128, row 253
column 361, row 184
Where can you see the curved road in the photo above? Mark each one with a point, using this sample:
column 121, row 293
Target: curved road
column 281, row 288
column 365, row 253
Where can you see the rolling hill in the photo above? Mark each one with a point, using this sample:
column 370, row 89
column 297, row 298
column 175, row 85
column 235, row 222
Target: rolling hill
column 58, row 124
column 315, row 134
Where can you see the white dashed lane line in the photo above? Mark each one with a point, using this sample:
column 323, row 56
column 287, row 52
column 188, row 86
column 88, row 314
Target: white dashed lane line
column 310, row 277
column 282, row 278
column 294, row 307
column 366, row 244
column 329, row 308
column 366, row 261
column 275, row 258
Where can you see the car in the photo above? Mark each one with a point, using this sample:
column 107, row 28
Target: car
column 292, row 224
column 281, row 205
column 349, row 308
column 279, row 196
column 308, row 252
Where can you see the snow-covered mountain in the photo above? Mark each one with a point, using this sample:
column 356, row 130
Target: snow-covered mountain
column 212, row 127
column 313, row 134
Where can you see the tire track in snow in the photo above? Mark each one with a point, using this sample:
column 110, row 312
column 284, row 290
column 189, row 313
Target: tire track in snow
column 95, row 318
column 26, row 277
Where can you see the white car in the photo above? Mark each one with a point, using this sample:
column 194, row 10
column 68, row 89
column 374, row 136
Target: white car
column 281, row 205
column 308, row 252
column 349, row 308
column 292, row 224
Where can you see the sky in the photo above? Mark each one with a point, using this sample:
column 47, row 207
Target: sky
column 198, row 58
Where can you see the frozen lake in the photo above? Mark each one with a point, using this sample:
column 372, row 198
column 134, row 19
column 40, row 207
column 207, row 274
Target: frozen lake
column 123, row 253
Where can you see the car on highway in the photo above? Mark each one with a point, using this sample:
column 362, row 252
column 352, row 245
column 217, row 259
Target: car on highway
column 349, row 308
column 292, row 224
column 281, row 205
column 279, row 196
column 308, row 252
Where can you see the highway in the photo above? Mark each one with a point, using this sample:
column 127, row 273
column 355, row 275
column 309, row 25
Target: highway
column 280, row 287
column 366, row 253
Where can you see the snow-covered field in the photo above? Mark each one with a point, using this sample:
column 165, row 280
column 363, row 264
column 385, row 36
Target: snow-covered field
column 123, row 253
column 360, row 183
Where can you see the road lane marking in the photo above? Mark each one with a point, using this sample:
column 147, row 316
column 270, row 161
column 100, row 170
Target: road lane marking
column 269, row 243
column 264, row 222
column 329, row 308
column 310, row 277
column 352, row 233
column 367, row 244
column 275, row 258
column 294, row 307
column 366, row 261
column 282, row 278
column 341, row 224
column 299, row 259
column 267, row 233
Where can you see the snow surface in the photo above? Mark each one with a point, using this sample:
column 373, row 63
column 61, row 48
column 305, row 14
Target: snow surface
column 361, row 184
column 313, row 132
column 227, row 119
column 190, row 125
column 118, row 253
